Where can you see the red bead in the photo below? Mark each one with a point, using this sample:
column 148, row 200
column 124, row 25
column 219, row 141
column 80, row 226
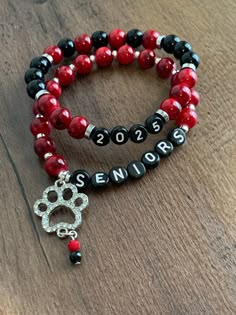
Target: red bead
column 40, row 125
column 83, row 64
column 83, row 43
column 150, row 38
column 188, row 77
column 78, row 127
column 125, row 55
column 103, row 57
column 195, row 97
column 146, row 59
column 181, row 93
column 60, row 118
column 65, row 75
column 187, row 117
column 73, row 245
column 171, row 107
column 55, row 164
column 174, row 79
column 47, row 103
column 35, row 108
column 117, row 38
column 44, row 145
column 165, row 67
column 55, row 52
column 53, row 88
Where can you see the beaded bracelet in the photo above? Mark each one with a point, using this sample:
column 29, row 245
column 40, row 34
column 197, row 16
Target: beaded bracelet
column 68, row 190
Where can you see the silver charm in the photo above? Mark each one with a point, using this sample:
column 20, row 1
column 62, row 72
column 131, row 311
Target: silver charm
column 46, row 206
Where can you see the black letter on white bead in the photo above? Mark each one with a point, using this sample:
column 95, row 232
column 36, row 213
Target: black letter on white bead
column 164, row 148
column 154, row 124
column 136, row 169
column 150, row 159
column 80, row 179
column 99, row 180
column 100, row 136
column 177, row 137
column 118, row 175
column 119, row 135
column 138, row 133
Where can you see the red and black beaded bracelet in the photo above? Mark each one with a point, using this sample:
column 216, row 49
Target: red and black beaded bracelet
column 179, row 106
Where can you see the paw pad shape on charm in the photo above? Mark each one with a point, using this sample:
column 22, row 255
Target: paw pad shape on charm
column 46, row 206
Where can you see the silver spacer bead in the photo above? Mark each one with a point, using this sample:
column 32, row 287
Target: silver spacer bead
column 92, row 58
column 189, row 65
column 48, row 57
column 55, row 80
column 114, row 53
column 39, row 116
column 163, row 114
column 88, row 131
column 136, row 54
column 185, row 128
column 191, row 106
column 40, row 135
column 72, row 67
column 47, row 155
column 64, row 176
column 157, row 60
column 158, row 42
column 40, row 93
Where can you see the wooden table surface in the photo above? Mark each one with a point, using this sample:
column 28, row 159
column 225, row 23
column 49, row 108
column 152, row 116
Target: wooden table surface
column 162, row 245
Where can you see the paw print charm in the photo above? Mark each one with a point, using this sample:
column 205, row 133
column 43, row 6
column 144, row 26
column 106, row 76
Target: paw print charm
column 65, row 195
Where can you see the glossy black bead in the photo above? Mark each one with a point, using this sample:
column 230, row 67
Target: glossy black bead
column 150, row 159
column 168, row 43
column 41, row 63
column 136, row 169
column 164, row 148
column 67, row 46
column 177, row 137
column 190, row 57
column 33, row 74
column 119, row 135
column 80, row 179
column 75, row 257
column 154, row 124
column 138, row 133
column 134, row 38
column 100, row 39
column 118, row 175
column 34, row 87
column 99, row 180
column 181, row 48
column 101, row 136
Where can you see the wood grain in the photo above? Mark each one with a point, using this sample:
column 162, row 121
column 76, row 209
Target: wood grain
column 163, row 245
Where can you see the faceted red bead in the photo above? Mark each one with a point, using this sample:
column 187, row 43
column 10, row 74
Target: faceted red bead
column 40, row 125
column 187, row 117
column 165, row 67
column 83, row 64
column 65, row 75
column 55, row 164
column 187, row 76
column 44, row 145
column 55, row 52
column 83, row 43
column 103, row 57
column 35, row 108
column 174, row 79
column 54, row 88
column 78, row 127
column 125, row 55
column 146, row 59
column 171, row 107
column 47, row 103
column 195, row 97
column 181, row 93
column 149, row 39
column 73, row 245
column 117, row 38
column 60, row 118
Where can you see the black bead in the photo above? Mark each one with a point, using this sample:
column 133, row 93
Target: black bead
column 33, row 74
column 138, row 133
column 67, row 46
column 99, row 180
column 118, row 175
column 181, row 48
column 34, row 87
column 119, row 135
column 150, row 159
column 134, row 38
column 80, row 179
column 190, row 57
column 154, row 124
column 100, row 39
column 168, row 43
column 41, row 63
column 177, row 137
column 75, row 257
column 164, row 148
column 100, row 136
column 136, row 169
